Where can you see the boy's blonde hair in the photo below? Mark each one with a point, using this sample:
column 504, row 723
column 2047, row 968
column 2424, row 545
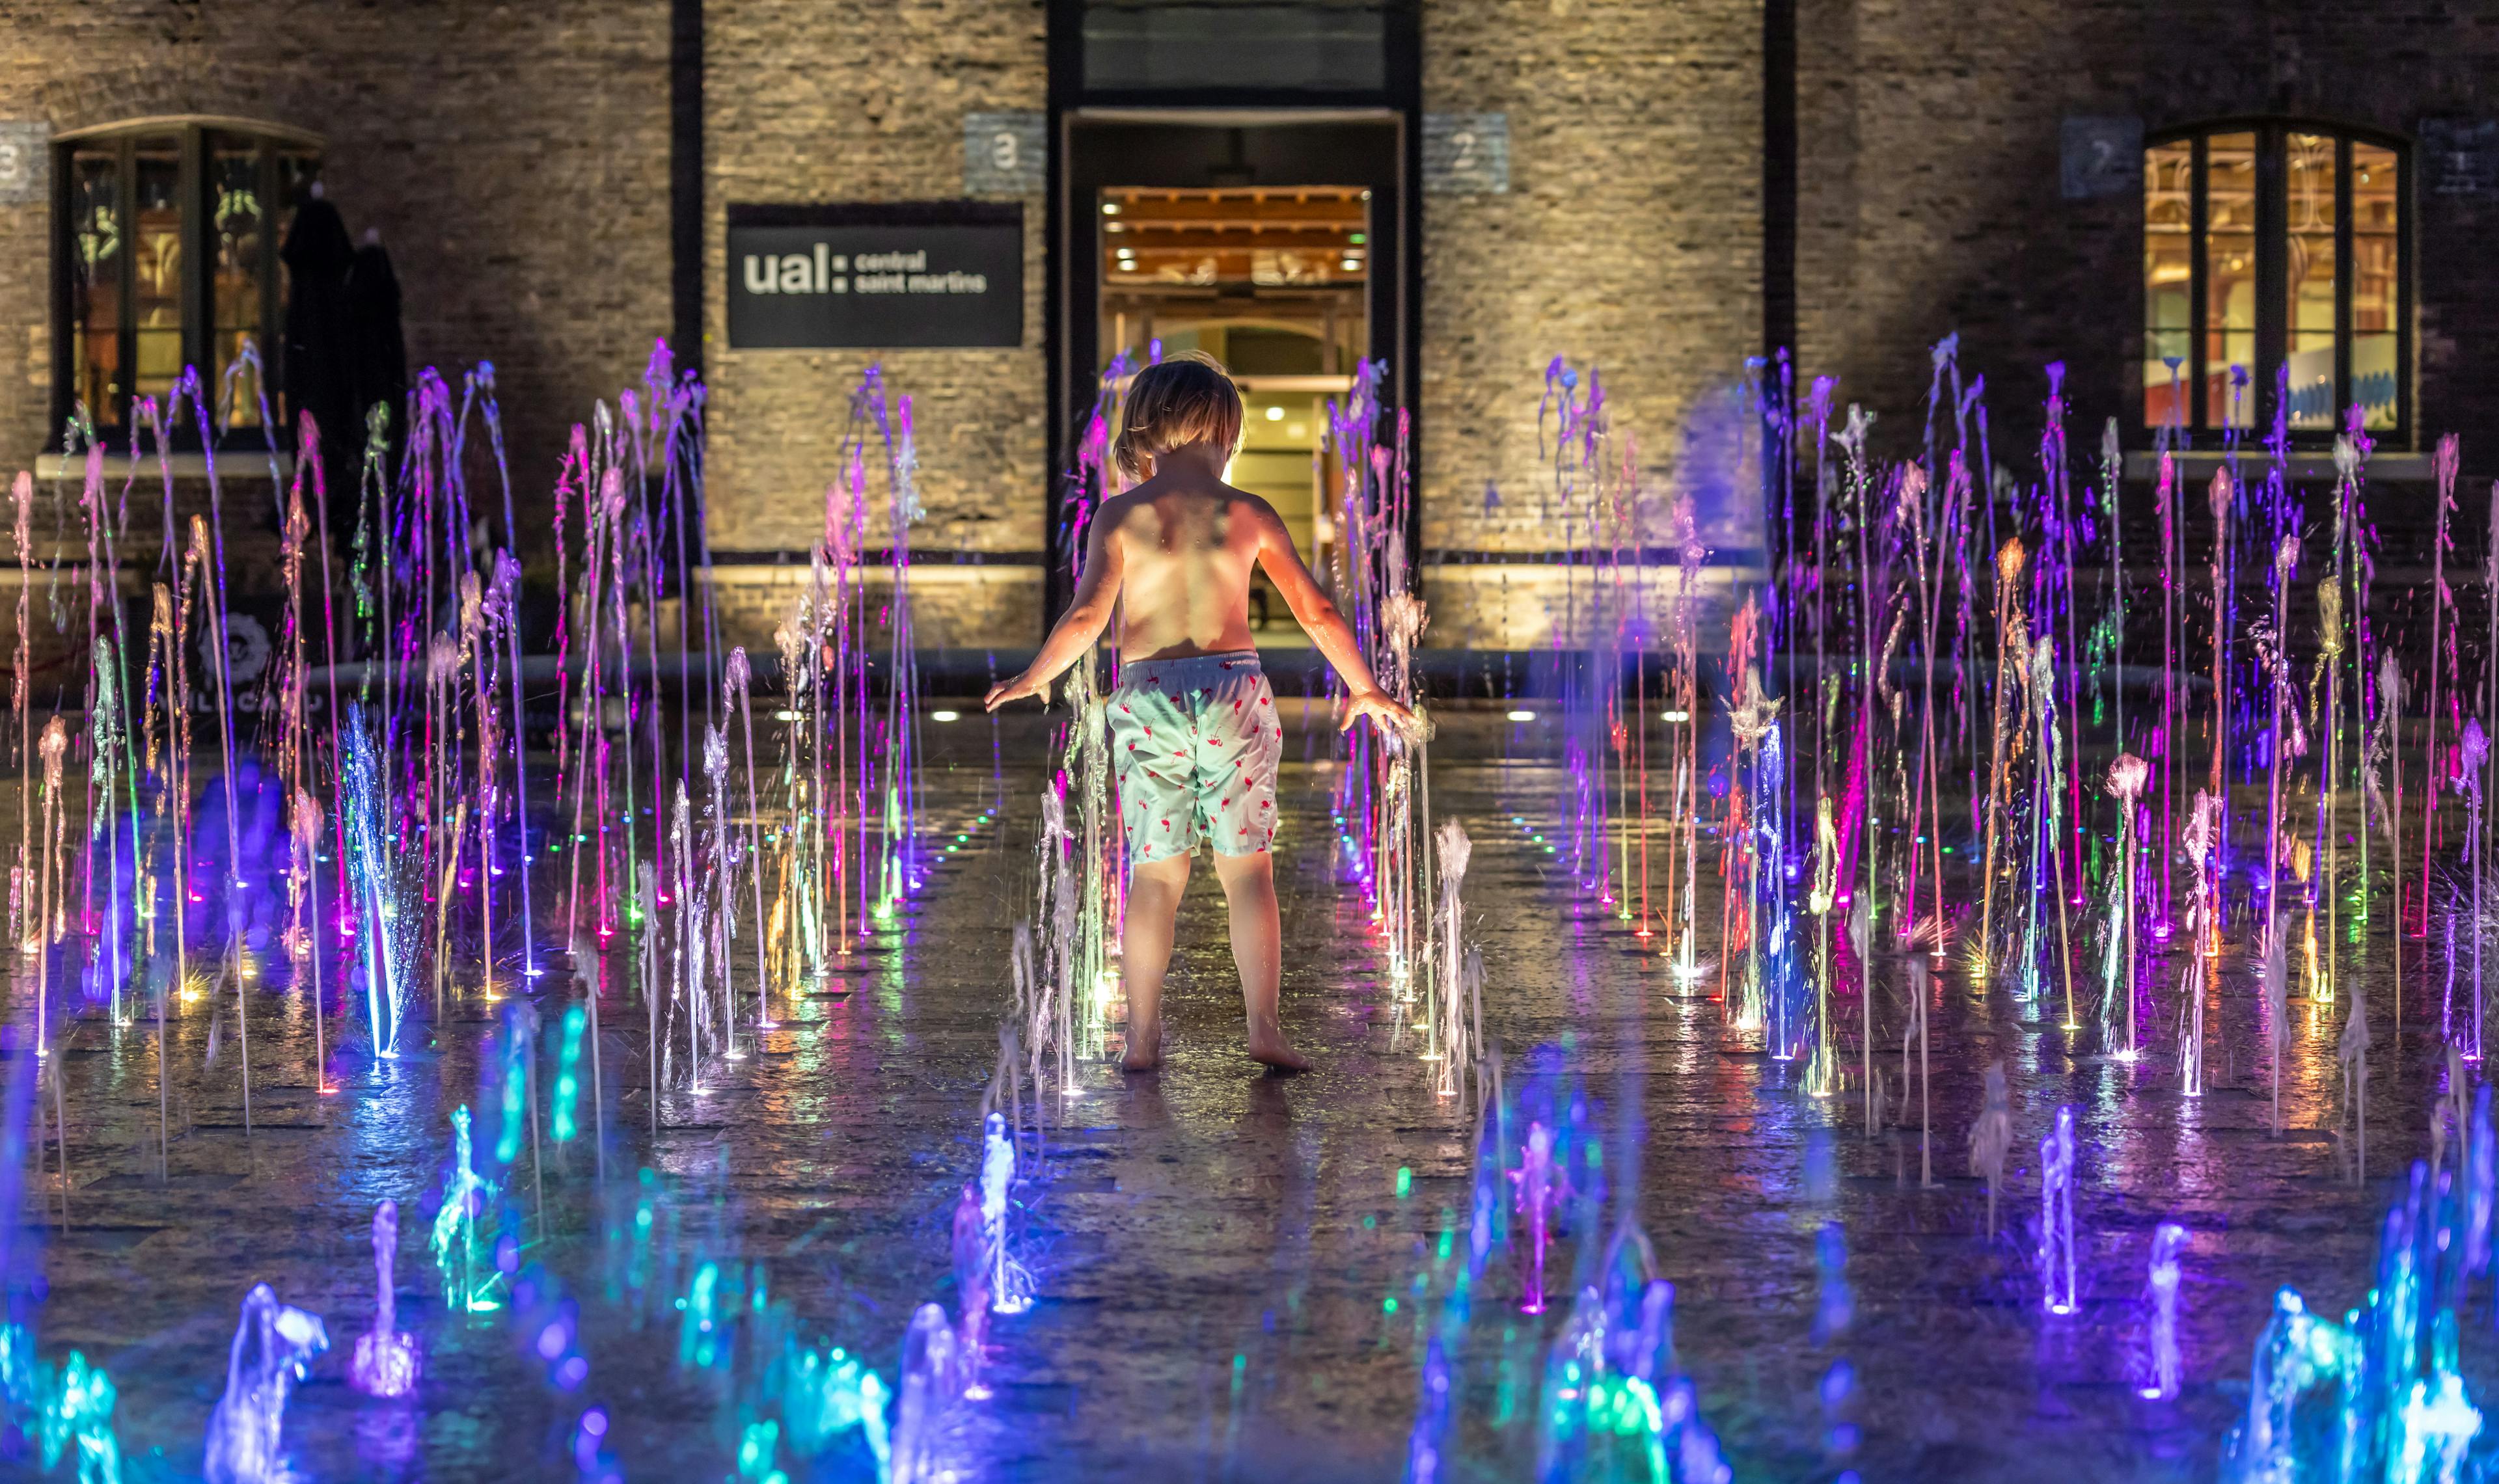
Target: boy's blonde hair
column 1188, row 398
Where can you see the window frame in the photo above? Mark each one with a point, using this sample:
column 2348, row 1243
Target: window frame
column 194, row 135
column 2273, row 330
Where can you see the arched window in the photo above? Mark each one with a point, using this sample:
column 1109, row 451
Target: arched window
column 166, row 238
column 2271, row 246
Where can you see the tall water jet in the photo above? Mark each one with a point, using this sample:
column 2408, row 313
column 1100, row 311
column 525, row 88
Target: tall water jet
column 1462, row 1023
column 2203, row 932
column 2162, row 1367
column 2384, row 747
column 736, row 681
column 377, row 867
column 1822, row 1076
column 2218, row 497
column 2011, row 641
column 1540, row 1188
column 1010, row 1286
column 2351, row 1054
column 2472, row 752
column 2273, row 647
column 2273, row 975
column 2443, row 468
column 1921, row 988
column 1993, row 1137
column 971, row 1253
column 2128, row 776
column 2057, row 1261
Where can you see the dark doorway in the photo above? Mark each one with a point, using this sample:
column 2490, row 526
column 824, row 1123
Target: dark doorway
column 1280, row 241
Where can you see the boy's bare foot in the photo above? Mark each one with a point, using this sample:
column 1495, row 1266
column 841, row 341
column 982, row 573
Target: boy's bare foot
column 1145, row 1050
column 1278, row 1052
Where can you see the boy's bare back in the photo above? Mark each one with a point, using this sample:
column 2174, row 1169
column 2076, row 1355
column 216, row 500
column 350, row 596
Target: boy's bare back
column 1173, row 557
column 1186, row 547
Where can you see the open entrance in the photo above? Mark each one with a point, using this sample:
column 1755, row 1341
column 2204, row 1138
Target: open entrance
column 1274, row 244
column 1270, row 281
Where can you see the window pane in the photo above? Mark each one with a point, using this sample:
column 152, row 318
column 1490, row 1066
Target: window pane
column 239, row 233
column 2230, row 280
column 95, row 282
column 2375, row 215
column 2308, row 277
column 156, row 241
column 2168, row 280
column 1306, row 45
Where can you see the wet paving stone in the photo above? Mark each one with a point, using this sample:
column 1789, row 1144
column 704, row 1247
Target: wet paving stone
column 1230, row 1285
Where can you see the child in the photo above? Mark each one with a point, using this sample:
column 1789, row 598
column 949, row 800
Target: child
column 1193, row 728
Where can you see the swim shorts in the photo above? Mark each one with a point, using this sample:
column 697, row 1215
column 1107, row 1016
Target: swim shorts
column 1196, row 742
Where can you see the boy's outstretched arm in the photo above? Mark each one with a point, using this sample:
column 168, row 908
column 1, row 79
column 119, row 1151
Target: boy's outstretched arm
column 1326, row 628
column 1097, row 593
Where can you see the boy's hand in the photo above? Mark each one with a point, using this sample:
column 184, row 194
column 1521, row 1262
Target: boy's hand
column 1018, row 689
column 1384, row 713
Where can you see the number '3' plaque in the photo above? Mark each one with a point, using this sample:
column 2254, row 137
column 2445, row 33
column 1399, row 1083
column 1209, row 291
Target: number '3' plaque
column 1005, row 154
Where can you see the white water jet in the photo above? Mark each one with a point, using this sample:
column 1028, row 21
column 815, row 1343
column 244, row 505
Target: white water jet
column 1010, row 1286
column 1991, row 1139
column 2057, row 1214
column 2162, row 1363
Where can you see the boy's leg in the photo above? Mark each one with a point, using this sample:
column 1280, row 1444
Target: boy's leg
column 1155, row 889
column 1259, row 952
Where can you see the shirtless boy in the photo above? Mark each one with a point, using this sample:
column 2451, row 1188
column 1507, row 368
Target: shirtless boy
column 1193, row 728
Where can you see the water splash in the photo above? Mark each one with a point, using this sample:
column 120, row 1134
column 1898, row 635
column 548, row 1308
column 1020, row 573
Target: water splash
column 466, row 1197
column 273, row 1347
column 60, row 1408
column 385, row 1362
column 930, row 1385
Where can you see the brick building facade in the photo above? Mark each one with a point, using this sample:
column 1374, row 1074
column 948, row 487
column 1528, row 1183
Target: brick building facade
column 1678, row 186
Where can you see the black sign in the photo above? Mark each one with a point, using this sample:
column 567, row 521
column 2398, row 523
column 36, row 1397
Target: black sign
column 2100, row 156
column 2459, row 156
column 872, row 276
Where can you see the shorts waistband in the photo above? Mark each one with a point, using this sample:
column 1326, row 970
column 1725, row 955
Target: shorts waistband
column 1192, row 672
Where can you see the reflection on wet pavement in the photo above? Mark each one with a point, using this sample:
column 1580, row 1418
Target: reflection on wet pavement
column 1239, row 1274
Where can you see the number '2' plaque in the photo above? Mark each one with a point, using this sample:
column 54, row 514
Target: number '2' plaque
column 24, row 150
column 1465, row 154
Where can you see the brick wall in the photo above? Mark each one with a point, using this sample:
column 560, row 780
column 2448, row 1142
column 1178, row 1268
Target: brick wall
column 514, row 157
column 860, row 101
column 952, row 606
column 1930, row 199
column 1628, row 242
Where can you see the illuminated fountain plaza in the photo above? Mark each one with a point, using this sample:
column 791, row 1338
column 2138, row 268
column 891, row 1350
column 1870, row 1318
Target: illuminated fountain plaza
column 1934, row 922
